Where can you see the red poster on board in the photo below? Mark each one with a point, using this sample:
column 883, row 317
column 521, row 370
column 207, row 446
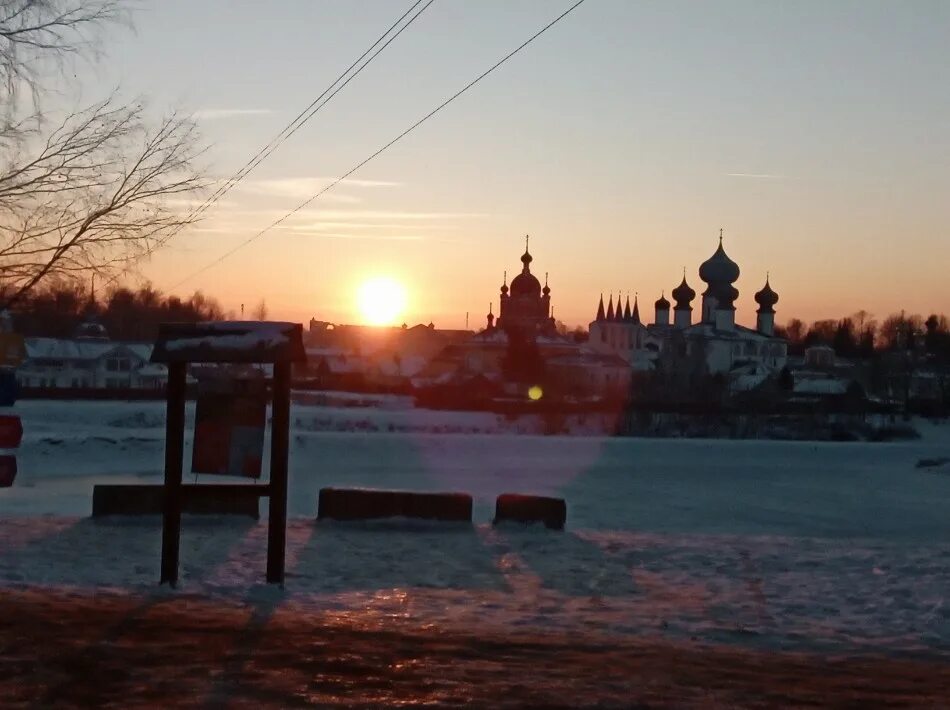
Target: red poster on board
column 229, row 434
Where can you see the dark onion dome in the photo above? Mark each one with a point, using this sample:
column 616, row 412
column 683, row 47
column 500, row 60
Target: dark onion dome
column 719, row 268
column 683, row 295
column 546, row 290
column 662, row 304
column 725, row 295
column 504, row 285
column 766, row 298
column 525, row 284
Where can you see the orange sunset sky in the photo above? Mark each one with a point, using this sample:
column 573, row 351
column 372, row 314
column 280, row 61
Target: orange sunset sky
column 814, row 134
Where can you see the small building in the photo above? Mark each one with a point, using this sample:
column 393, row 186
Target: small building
column 820, row 356
column 87, row 364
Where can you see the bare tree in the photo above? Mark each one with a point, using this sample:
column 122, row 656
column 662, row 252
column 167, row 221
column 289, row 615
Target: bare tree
column 100, row 189
column 260, row 310
column 37, row 35
column 95, row 195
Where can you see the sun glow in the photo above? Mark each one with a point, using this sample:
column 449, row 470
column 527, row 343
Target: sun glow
column 381, row 301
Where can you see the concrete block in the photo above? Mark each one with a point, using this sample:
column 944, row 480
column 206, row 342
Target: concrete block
column 369, row 504
column 531, row 509
column 139, row 499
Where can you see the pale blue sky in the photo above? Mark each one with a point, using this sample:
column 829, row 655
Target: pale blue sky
column 814, row 133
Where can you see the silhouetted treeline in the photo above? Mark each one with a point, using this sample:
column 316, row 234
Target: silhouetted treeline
column 127, row 314
column 860, row 336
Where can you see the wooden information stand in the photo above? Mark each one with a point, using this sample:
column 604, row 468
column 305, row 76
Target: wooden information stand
column 277, row 344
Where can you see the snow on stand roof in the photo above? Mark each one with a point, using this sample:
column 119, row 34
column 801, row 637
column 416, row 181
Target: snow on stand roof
column 230, row 341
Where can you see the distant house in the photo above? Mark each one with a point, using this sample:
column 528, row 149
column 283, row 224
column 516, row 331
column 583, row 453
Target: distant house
column 89, row 364
column 358, row 356
column 820, row 356
column 585, row 373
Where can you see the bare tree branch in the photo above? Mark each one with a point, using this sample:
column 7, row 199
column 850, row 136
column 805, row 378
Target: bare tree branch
column 36, row 35
column 93, row 195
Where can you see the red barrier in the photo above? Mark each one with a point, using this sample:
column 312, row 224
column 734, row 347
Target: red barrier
column 11, row 431
column 7, row 471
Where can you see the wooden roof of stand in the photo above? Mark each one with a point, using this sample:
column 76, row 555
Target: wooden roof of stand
column 230, row 341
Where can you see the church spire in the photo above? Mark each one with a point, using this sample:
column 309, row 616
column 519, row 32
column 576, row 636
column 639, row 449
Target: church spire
column 526, row 258
column 636, row 308
column 626, row 309
column 600, row 309
column 610, row 308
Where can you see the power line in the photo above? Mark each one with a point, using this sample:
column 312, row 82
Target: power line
column 313, row 108
column 388, row 145
column 298, row 122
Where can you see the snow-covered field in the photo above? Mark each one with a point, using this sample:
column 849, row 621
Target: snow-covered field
column 778, row 544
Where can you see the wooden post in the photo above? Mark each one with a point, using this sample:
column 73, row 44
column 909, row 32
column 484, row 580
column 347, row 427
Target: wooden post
column 174, row 453
column 279, row 445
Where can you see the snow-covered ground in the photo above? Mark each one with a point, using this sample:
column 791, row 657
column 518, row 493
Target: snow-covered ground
column 784, row 544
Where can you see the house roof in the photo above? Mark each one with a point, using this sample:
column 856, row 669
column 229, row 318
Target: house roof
column 708, row 330
column 87, row 350
column 589, row 358
column 822, row 385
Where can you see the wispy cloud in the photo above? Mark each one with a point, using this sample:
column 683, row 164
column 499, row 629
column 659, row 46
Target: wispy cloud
column 306, row 186
column 372, row 237
column 761, row 176
column 195, row 202
column 378, row 237
column 322, row 226
column 349, row 215
column 210, row 114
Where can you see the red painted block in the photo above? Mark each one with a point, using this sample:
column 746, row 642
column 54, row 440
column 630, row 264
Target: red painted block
column 7, row 470
column 11, row 431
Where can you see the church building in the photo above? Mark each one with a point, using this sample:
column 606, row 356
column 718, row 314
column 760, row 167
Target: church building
column 525, row 307
column 714, row 343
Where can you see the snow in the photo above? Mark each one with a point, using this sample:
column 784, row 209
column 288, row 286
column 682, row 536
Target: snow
column 824, row 385
column 72, row 350
column 840, row 546
column 235, row 336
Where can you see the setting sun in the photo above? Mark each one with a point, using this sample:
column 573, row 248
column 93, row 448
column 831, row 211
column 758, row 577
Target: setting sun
column 381, row 301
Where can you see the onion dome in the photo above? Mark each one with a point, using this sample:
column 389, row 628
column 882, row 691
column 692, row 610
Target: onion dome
column 546, row 290
column 766, row 298
column 626, row 311
column 725, row 295
column 525, row 284
column 662, row 304
column 504, row 286
column 490, row 317
column 610, row 308
column 719, row 268
column 683, row 295
column 600, row 309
